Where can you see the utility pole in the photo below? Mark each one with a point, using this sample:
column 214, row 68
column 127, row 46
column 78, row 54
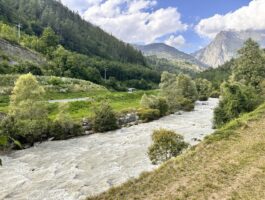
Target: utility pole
column 19, row 28
column 105, row 74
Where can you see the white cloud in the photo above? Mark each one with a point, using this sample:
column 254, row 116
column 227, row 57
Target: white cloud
column 175, row 41
column 79, row 5
column 245, row 18
column 133, row 21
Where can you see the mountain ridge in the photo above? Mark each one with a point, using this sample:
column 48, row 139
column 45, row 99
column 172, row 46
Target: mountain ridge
column 225, row 45
column 162, row 50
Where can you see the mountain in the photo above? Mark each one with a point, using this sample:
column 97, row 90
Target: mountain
column 225, row 46
column 57, row 41
column 75, row 33
column 164, row 51
column 15, row 54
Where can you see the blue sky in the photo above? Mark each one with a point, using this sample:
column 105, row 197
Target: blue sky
column 185, row 24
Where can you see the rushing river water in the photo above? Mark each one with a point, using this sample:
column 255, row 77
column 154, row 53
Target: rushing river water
column 73, row 169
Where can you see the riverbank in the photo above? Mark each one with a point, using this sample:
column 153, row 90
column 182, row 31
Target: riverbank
column 72, row 169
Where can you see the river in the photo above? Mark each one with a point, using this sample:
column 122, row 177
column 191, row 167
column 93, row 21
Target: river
column 73, row 169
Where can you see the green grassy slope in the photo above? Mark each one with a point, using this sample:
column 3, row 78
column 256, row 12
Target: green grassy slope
column 229, row 164
column 68, row 88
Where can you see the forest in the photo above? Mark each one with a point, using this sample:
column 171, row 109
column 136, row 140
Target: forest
column 73, row 47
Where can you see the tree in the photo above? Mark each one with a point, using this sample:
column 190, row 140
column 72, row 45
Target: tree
column 204, row 88
column 250, row 66
column 170, row 91
column 28, row 109
column 166, row 144
column 180, row 92
column 48, row 41
column 49, row 38
column 104, row 119
column 236, row 99
column 187, row 87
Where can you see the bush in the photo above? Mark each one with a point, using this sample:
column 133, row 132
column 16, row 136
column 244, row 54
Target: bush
column 53, row 80
column 64, row 127
column 147, row 114
column 62, row 130
column 215, row 94
column 166, row 144
column 162, row 106
column 187, row 105
column 153, row 102
column 25, row 131
column 104, row 119
column 203, row 98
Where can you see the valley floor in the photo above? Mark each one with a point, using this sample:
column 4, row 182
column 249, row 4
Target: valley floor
column 228, row 165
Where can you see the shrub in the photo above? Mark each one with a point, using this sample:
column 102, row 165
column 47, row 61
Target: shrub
column 24, row 131
column 162, row 106
column 64, row 127
column 236, row 99
column 147, row 114
column 203, row 98
column 166, row 144
column 215, row 94
column 153, row 102
column 104, row 119
column 3, row 141
column 53, row 80
column 187, row 105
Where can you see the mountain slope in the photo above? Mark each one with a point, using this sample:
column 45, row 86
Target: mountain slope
column 162, row 50
column 225, row 46
column 75, row 33
column 227, row 165
column 16, row 54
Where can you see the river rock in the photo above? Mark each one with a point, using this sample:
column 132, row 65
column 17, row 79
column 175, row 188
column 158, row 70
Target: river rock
column 128, row 119
column 87, row 125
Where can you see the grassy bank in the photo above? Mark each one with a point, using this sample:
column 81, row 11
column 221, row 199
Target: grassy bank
column 120, row 101
column 229, row 164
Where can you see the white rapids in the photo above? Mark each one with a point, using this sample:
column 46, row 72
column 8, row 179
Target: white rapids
column 76, row 168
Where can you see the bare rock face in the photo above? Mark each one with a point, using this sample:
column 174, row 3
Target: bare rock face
column 18, row 54
column 225, row 46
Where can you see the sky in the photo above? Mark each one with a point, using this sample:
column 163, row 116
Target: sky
column 187, row 25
